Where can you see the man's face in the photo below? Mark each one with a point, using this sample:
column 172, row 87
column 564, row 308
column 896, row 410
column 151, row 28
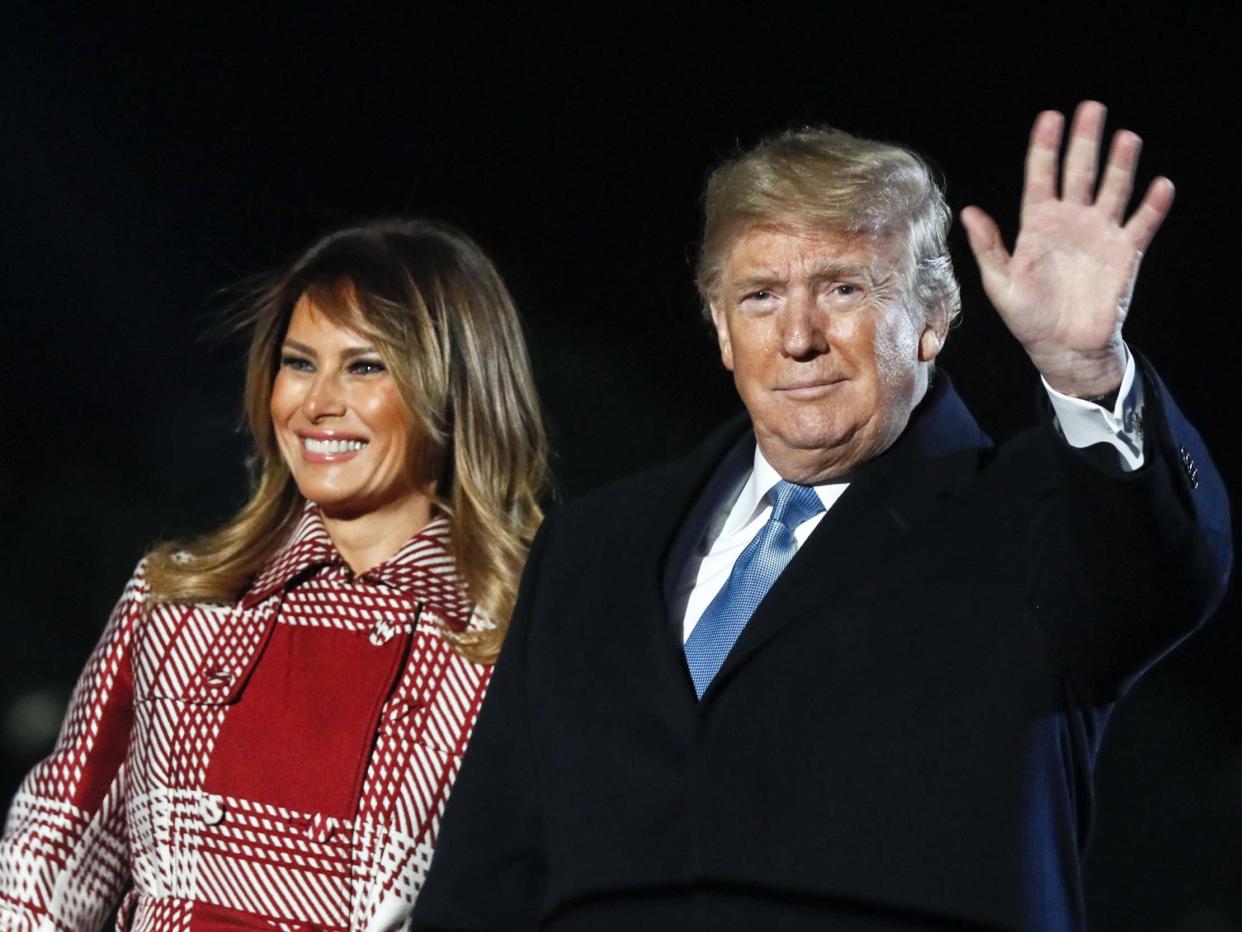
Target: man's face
column 826, row 351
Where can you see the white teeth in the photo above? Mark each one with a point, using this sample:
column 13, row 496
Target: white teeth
column 332, row 446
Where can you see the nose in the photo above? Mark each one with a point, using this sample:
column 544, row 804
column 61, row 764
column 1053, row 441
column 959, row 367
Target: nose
column 324, row 398
column 802, row 327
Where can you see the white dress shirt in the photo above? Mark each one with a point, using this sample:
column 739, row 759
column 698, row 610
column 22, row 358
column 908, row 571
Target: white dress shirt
column 1081, row 423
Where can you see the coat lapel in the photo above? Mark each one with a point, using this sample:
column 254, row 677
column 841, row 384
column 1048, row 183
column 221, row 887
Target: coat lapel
column 936, row 455
column 667, row 508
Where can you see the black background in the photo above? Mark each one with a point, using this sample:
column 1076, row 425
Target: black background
column 151, row 158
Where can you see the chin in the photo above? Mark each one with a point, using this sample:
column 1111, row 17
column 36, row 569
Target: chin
column 343, row 508
column 817, row 435
column 327, row 497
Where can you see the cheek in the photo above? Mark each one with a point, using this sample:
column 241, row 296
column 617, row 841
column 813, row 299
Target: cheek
column 895, row 348
column 752, row 349
column 385, row 414
column 284, row 400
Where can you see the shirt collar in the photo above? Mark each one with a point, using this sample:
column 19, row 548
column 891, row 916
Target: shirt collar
column 754, row 495
column 423, row 568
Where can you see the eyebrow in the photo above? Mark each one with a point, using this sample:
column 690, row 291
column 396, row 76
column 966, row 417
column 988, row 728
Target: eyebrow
column 837, row 270
column 825, row 270
column 350, row 353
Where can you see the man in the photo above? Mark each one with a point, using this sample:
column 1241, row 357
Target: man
column 846, row 666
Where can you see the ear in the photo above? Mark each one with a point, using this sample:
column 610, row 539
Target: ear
column 721, row 322
column 931, row 340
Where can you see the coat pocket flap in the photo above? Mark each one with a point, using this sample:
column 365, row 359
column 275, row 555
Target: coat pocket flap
column 202, row 654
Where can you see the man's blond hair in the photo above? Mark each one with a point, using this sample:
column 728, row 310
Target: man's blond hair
column 822, row 178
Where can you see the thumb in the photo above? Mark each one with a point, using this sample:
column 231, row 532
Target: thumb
column 985, row 241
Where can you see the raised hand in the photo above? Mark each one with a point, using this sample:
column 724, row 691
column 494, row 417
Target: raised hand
column 1065, row 291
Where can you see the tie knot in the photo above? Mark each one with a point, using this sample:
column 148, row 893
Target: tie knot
column 792, row 504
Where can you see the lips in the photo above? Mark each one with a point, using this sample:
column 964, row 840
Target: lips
column 810, row 389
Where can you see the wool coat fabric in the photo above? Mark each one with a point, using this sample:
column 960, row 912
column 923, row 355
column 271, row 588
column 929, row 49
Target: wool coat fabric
column 901, row 738
column 278, row 763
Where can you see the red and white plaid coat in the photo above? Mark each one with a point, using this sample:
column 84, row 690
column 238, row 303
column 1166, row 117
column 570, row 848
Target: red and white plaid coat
column 279, row 763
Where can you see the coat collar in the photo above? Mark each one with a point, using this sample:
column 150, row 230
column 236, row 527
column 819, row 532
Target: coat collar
column 423, row 568
column 936, row 455
column 942, row 437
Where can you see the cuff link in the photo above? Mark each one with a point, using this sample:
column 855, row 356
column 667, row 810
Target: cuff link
column 1188, row 466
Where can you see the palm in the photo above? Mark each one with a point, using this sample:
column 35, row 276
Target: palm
column 1065, row 291
column 1069, row 280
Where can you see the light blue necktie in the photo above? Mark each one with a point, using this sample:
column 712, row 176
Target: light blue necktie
column 760, row 562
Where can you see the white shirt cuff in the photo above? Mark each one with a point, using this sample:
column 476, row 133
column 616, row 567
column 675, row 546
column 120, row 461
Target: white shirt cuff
column 1084, row 423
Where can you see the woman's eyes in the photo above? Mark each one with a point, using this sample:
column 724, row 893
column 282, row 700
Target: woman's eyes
column 356, row 367
column 297, row 363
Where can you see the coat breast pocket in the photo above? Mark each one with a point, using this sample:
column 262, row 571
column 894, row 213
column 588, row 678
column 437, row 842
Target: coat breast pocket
column 199, row 654
column 191, row 662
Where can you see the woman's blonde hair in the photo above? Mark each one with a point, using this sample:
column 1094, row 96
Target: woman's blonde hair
column 446, row 327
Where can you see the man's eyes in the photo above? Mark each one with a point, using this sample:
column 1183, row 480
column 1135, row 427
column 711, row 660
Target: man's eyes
column 851, row 291
column 839, row 290
column 762, row 295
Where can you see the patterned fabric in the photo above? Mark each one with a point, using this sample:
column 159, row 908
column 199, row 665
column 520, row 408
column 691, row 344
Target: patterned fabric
column 135, row 793
column 756, row 569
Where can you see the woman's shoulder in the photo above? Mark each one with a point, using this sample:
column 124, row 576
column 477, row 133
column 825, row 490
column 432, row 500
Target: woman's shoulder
column 149, row 604
column 137, row 589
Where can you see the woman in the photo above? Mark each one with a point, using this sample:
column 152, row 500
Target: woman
column 267, row 732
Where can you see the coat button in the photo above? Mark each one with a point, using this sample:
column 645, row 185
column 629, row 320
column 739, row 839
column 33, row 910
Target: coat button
column 404, row 709
column 211, row 810
column 217, row 677
column 323, row 829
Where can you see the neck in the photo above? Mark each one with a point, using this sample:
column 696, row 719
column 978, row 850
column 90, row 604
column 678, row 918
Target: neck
column 368, row 539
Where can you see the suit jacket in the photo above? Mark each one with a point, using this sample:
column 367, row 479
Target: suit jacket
column 901, row 738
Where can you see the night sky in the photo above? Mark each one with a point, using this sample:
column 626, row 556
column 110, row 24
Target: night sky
column 152, row 159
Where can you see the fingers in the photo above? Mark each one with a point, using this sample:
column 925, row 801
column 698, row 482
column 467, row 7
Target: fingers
column 1119, row 175
column 1083, row 153
column 985, row 241
column 1078, row 174
column 1042, row 159
column 1151, row 212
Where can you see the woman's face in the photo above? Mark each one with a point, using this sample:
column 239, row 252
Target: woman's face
column 340, row 422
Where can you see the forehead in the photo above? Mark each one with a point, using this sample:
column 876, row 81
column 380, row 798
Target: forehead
column 787, row 251
column 314, row 319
